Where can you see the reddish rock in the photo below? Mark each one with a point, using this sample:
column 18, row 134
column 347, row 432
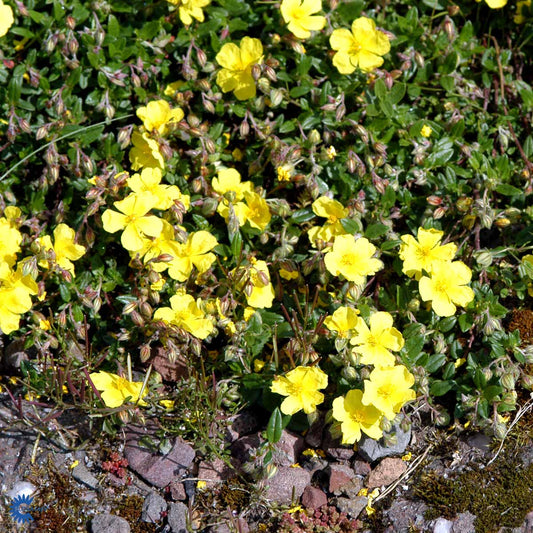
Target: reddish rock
column 288, row 449
column 242, row 448
column 335, row 449
column 170, row 371
column 313, row 498
column 361, row 468
column 388, row 471
column 177, row 491
column 342, row 480
column 157, row 469
column 313, row 437
column 213, row 472
column 286, row 485
column 242, row 424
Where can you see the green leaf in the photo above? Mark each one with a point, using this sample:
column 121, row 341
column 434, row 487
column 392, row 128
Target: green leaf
column 440, row 388
column 397, row 93
column 376, row 230
column 435, row 362
column 466, row 321
column 380, row 89
column 508, row 190
column 274, row 426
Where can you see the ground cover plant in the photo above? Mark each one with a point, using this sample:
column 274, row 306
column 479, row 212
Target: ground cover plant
column 310, row 207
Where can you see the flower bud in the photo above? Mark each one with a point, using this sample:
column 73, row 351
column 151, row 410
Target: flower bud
column 256, row 71
column 385, row 425
column 270, row 73
column 419, row 60
column 508, row 381
column 349, row 373
column 492, row 325
column 244, row 128
column 484, row 258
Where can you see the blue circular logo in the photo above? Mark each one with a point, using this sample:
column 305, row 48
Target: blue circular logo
column 18, row 509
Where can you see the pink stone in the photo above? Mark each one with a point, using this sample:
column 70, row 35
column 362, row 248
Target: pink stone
column 388, row 471
column 313, row 498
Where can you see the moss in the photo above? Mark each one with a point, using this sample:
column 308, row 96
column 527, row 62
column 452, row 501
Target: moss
column 500, row 495
column 522, row 320
column 130, row 508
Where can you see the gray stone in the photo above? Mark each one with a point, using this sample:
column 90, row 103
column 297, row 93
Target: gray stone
column 241, row 449
column 442, row 526
column 242, row 424
column 177, row 491
column 108, row 523
column 387, row 472
column 177, row 517
column 405, row 514
column 157, row 469
column 371, row 450
column 480, row 441
column 213, row 472
column 288, row 449
column 21, row 488
column 238, row 525
column 82, row 475
column 287, row 484
column 353, row 507
column 464, row 523
column 154, row 506
column 527, row 526
column 335, row 449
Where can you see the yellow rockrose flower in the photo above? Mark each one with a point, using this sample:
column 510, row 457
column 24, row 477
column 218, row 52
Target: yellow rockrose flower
column 333, row 211
column 64, row 248
column 523, row 11
column 362, row 47
column 158, row 115
column 446, row 287
column 9, row 242
column 262, row 293
column 343, row 321
column 196, row 252
column 115, row 390
column 237, row 63
column 389, row 389
column 352, row 258
column 145, row 152
column 6, row 18
column 149, row 181
column 301, row 387
column 356, row 418
column 162, row 244
column 257, row 212
column 495, row 4
column 423, row 254
column 189, row 9
column 185, row 313
column 133, row 220
column 300, row 16
column 376, row 343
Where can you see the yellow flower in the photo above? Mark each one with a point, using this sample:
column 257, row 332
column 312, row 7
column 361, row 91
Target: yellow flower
column 360, row 48
column 258, row 365
column 164, row 243
column 426, row 131
column 257, row 212
column 229, row 185
column 446, row 287
column 495, row 4
column 64, row 248
column 522, row 11
column 15, row 297
column 331, row 153
column 172, row 88
column 189, row 9
column 167, row 404
column 145, row 152
column 157, row 115
column 388, row 389
column 332, row 210
column 133, row 220
column 9, row 242
column 115, row 390
column 237, row 63
column 355, row 417
column 344, row 321
column 301, row 387
column 299, row 15
column 44, row 325
column 184, row 312
column 352, row 258
column 149, row 181
column 6, row 18
column 194, row 253
column 288, row 274
column 375, row 344
column 261, row 293
column 424, row 253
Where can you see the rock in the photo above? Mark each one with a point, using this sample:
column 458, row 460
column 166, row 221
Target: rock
column 177, row 517
column 288, row 449
column 335, row 449
column 464, row 523
column 480, row 441
column 286, row 485
column 170, row 371
column 361, row 468
column 81, row 474
column 14, row 354
column 239, row 525
column 177, row 491
column 527, row 526
column 154, row 506
column 442, row 526
column 342, row 480
column 242, row 424
column 108, row 523
column 353, row 507
column 157, row 469
column 313, row 498
column 314, row 436
column 213, row 472
column 371, row 450
column 241, row 448
column 405, row 515
column 21, row 488
column 388, row 471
